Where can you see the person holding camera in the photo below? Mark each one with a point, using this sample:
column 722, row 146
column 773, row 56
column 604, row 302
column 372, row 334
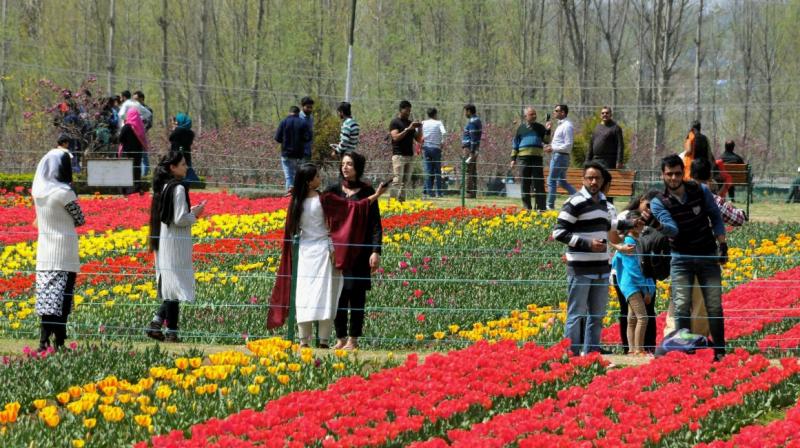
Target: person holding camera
column 403, row 132
column 688, row 214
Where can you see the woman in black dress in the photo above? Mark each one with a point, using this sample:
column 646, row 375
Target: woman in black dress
column 357, row 280
column 181, row 139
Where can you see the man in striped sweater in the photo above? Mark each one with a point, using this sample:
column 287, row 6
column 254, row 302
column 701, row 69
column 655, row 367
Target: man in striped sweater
column 583, row 225
column 349, row 132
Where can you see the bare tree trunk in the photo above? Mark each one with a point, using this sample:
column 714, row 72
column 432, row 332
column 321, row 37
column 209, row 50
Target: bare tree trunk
column 202, row 68
column 666, row 20
column 698, row 60
column 3, row 56
column 577, row 33
column 612, row 27
column 562, row 53
column 257, row 61
column 768, row 68
column 163, row 22
column 744, row 40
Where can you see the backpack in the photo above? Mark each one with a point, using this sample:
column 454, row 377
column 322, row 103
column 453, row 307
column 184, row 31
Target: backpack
column 655, row 254
column 681, row 341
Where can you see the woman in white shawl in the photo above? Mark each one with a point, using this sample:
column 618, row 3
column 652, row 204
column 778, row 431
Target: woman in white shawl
column 57, row 260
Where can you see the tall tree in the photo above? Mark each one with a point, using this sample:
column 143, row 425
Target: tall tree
column 665, row 21
column 698, row 61
column 3, row 66
column 611, row 22
column 768, row 66
column 577, row 27
column 262, row 9
column 530, row 14
column 202, row 69
column 163, row 23
column 744, row 26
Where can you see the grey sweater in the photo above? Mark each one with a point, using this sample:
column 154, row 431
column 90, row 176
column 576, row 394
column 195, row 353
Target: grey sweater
column 607, row 145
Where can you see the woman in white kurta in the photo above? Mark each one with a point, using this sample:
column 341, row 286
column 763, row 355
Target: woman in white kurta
column 319, row 282
column 171, row 219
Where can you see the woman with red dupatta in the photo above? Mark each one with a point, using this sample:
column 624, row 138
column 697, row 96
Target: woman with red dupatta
column 329, row 227
column 133, row 144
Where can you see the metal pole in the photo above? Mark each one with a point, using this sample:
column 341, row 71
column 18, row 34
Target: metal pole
column 463, row 181
column 292, row 296
column 348, row 84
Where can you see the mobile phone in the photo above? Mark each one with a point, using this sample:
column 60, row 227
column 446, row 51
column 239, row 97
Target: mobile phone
column 547, row 117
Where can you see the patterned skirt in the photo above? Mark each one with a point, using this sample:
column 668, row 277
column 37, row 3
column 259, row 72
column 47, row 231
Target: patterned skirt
column 54, row 290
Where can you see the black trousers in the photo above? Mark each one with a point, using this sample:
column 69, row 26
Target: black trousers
column 532, row 174
column 352, row 300
column 169, row 311
column 57, row 325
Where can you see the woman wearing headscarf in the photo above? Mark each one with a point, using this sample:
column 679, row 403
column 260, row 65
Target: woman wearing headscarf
column 357, row 279
column 171, row 219
column 181, row 139
column 133, row 144
column 57, row 259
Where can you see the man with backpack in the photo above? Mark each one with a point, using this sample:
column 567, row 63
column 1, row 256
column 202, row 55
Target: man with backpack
column 688, row 214
column 732, row 216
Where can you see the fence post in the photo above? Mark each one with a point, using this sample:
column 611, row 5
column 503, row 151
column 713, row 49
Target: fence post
column 749, row 195
column 292, row 297
column 463, row 181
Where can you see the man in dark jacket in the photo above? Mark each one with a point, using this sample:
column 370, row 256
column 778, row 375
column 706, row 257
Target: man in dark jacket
column 687, row 213
column 606, row 144
column 293, row 133
column 728, row 156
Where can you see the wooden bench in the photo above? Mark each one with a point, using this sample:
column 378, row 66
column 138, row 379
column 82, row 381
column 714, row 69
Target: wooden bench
column 741, row 177
column 623, row 182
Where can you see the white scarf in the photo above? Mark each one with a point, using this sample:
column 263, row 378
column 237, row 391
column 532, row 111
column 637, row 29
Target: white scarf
column 45, row 181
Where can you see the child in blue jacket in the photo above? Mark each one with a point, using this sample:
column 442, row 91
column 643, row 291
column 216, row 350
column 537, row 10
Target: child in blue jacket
column 637, row 289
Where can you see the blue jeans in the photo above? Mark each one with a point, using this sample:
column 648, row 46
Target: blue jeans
column 683, row 270
column 145, row 163
column 588, row 298
column 558, row 172
column 289, row 168
column 433, row 170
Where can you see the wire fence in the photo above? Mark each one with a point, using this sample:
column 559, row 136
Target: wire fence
column 474, row 280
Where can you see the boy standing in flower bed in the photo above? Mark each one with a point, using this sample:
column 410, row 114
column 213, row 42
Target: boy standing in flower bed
column 583, row 225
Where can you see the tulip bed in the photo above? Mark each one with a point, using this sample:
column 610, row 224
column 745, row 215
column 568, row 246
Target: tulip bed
column 110, row 396
column 487, row 278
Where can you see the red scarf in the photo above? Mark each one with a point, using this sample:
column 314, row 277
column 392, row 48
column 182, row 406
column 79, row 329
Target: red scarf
column 347, row 223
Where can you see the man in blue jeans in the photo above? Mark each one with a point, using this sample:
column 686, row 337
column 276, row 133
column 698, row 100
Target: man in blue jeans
column 433, row 133
column 561, row 148
column 688, row 214
column 583, row 225
column 293, row 133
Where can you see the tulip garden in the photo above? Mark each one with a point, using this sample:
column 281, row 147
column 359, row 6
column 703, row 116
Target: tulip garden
column 476, row 295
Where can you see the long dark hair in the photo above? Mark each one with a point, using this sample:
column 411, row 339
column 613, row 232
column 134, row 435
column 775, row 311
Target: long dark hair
column 634, row 204
column 161, row 176
column 305, row 174
column 359, row 164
